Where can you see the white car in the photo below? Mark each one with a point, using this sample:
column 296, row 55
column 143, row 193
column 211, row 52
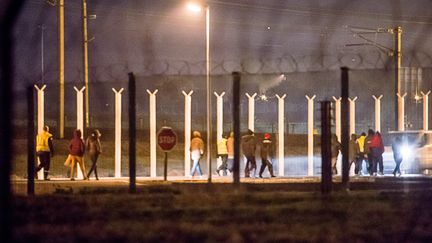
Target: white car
column 416, row 149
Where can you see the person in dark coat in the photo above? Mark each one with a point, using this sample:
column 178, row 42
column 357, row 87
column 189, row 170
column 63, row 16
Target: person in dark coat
column 335, row 148
column 397, row 155
column 248, row 144
column 267, row 151
column 44, row 151
column 94, row 149
column 353, row 152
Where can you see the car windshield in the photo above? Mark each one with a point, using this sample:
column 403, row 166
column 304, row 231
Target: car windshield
column 419, row 139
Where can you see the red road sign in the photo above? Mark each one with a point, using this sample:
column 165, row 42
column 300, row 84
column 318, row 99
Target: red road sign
column 166, row 139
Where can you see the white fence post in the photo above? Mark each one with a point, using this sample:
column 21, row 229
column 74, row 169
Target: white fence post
column 401, row 112
column 251, row 111
column 338, row 127
column 377, row 112
column 187, row 130
column 310, row 134
column 118, row 109
column 352, row 115
column 281, row 133
column 426, row 110
column 152, row 132
column 338, row 117
column 80, row 121
column 352, row 129
column 40, row 118
column 219, row 119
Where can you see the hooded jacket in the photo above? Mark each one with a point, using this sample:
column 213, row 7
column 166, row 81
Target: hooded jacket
column 267, row 149
column 197, row 143
column 335, row 147
column 354, row 149
column 361, row 143
column 230, row 146
column 377, row 142
column 248, row 143
column 76, row 145
column 44, row 142
column 222, row 146
column 93, row 145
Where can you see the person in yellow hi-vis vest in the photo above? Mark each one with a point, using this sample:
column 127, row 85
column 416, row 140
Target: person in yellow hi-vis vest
column 44, row 150
column 222, row 152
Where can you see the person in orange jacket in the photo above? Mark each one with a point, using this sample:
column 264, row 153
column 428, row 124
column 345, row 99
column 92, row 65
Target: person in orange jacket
column 197, row 150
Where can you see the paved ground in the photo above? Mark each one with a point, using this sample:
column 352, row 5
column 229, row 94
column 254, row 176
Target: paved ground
column 64, row 185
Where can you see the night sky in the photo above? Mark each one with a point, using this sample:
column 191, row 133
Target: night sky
column 161, row 37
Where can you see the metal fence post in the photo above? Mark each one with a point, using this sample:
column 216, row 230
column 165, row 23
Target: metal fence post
column 30, row 143
column 345, row 127
column 236, row 117
column 326, row 172
column 132, row 133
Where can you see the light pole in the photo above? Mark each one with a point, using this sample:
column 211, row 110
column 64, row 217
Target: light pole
column 198, row 8
column 61, row 65
column 85, row 62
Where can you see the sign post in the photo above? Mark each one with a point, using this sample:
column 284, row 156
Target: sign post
column 167, row 139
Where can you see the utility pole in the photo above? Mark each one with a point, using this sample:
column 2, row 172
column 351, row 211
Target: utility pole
column 61, row 65
column 397, row 53
column 85, row 61
column 42, row 28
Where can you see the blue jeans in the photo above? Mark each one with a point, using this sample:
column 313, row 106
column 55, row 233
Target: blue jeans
column 195, row 166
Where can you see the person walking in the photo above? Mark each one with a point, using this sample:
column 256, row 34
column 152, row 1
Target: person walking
column 197, row 150
column 222, row 152
column 361, row 155
column 44, row 151
column 230, row 150
column 397, row 155
column 368, row 151
column 353, row 152
column 376, row 150
column 76, row 153
column 380, row 159
column 267, row 151
column 248, row 143
column 335, row 148
column 94, row 149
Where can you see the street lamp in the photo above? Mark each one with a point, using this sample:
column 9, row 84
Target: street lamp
column 198, row 8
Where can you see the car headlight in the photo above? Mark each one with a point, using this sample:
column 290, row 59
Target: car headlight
column 407, row 151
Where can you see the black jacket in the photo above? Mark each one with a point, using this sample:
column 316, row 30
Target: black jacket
column 248, row 144
column 267, row 149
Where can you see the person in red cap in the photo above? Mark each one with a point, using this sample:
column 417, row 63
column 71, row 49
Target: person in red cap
column 266, row 155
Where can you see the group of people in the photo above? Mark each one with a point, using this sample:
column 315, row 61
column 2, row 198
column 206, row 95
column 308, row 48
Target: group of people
column 225, row 151
column 77, row 148
column 369, row 149
column 249, row 146
column 364, row 148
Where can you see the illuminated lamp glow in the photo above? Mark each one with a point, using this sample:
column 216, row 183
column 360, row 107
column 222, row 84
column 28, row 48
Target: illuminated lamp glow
column 194, row 7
